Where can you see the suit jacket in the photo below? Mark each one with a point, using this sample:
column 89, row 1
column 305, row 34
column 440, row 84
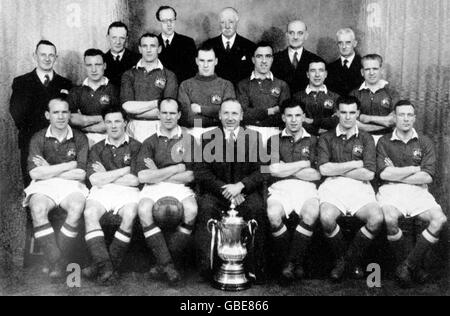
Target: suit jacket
column 29, row 102
column 114, row 70
column 236, row 64
column 344, row 80
column 179, row 56
column 212, row 175
column 296, row 78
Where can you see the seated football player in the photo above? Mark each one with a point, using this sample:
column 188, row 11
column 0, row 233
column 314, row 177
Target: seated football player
column 114, row 189
column 164, row 166
column 87, row 102
column 231, row 174
column 57, row 164
column 406, row 165
column 320, row 102
column 293, row 191
column 346, row 156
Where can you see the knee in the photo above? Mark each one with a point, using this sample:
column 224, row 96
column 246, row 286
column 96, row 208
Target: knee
column 310, row 214
column 376, row 219
column 145, row 208
column 391, row 219
column 129, row 214
column 327, row 218
column 76, row 208
column 39, row 212
column 275, row 215
column 92, row 215
column 438, row 220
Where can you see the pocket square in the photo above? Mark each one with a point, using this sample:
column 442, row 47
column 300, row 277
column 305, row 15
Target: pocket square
column 244, row 58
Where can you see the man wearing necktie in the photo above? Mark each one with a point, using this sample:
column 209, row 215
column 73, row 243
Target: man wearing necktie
column 231, row 171
column 292, row 63
column 30, row 96
column 344, row 73
column 233, row 51
column 178, row 52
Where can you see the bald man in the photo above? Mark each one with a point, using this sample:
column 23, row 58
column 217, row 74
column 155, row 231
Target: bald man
column 233, row 51
column 291, row 64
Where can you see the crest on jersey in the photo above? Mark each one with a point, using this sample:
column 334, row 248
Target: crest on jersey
column 417, row 155
column 216, row 99
column 160, row 82
column 385, row 102
column 328, row 104
column 71, row 153
column 305, row 152
column 275, row 92
column 105, row 99
column 358, row 150
column 127, row 159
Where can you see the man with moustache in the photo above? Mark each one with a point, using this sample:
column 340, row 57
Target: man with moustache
column 30, row 96
column 118, row 58
column 144, row 86
column 344, row 74
column 88, row 101
column 178, row 51
column 233, row 51
column 291, row 64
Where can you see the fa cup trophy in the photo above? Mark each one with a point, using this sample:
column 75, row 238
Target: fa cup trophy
column 231, row 236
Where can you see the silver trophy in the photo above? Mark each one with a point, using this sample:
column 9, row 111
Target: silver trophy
column 231, row 236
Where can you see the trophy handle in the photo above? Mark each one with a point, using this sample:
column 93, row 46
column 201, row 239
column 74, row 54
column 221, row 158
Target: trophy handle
column 252, row 227
column 212, row 228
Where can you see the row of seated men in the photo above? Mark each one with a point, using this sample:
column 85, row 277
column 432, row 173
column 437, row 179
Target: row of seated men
column 231, row 165
column 169, row 65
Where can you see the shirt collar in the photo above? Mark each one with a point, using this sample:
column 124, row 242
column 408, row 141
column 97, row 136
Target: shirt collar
column 119, row 54
column 395, row 137
column 292, row 51
column 228, row 133
column 310, row 89
column 126, row 140
column 105, row 82
column 231, row 40
column 177, row 136
column 140, row 65
column 269, row 76
column 381, row 84
column 305, row 134
column 355, row 131
column 42, row 75
column 350, row 59
column 165, row 38
column 49, row 133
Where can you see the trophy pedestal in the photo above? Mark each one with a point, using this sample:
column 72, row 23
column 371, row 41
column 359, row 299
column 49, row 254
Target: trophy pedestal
column 231, row 277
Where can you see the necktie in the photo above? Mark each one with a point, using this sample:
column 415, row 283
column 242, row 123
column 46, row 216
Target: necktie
column 46, row 80
column 167, row 43
column 117, row 59
column 228, row 47
column 295, row 60
column 346, row 63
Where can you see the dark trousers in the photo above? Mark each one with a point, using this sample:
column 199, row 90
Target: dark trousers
column 211, row 206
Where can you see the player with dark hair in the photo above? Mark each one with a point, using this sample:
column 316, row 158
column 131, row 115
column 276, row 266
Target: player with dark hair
column 57, row 164
column 406, row 165
column 96, row 93
column 293, row 191
column 164, row 166
column 31, row 94
column 346, row 156
column 114, row 189
column 144, row 86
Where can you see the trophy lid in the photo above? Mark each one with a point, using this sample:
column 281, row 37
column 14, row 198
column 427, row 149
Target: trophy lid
column 232, row 217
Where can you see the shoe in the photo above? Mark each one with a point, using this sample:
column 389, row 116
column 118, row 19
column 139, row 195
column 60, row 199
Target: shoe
column 403, row 275
column 299, row 272
column 421, row 276
column 105, row 272
column 357, row 273
column 155, row 272
column 90, row 272
column 171, row 274
column 338, row 271
column 57, row 271
column 288, row 272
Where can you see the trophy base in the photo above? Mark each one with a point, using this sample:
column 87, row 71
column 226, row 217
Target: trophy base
column 231, row 277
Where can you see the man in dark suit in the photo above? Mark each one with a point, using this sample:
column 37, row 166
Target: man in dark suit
column 230, row 174
column 233, row 51
column 344, row 74
column 178, row 51
column 30, row 96
column 118, row 59
column 291, row 64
